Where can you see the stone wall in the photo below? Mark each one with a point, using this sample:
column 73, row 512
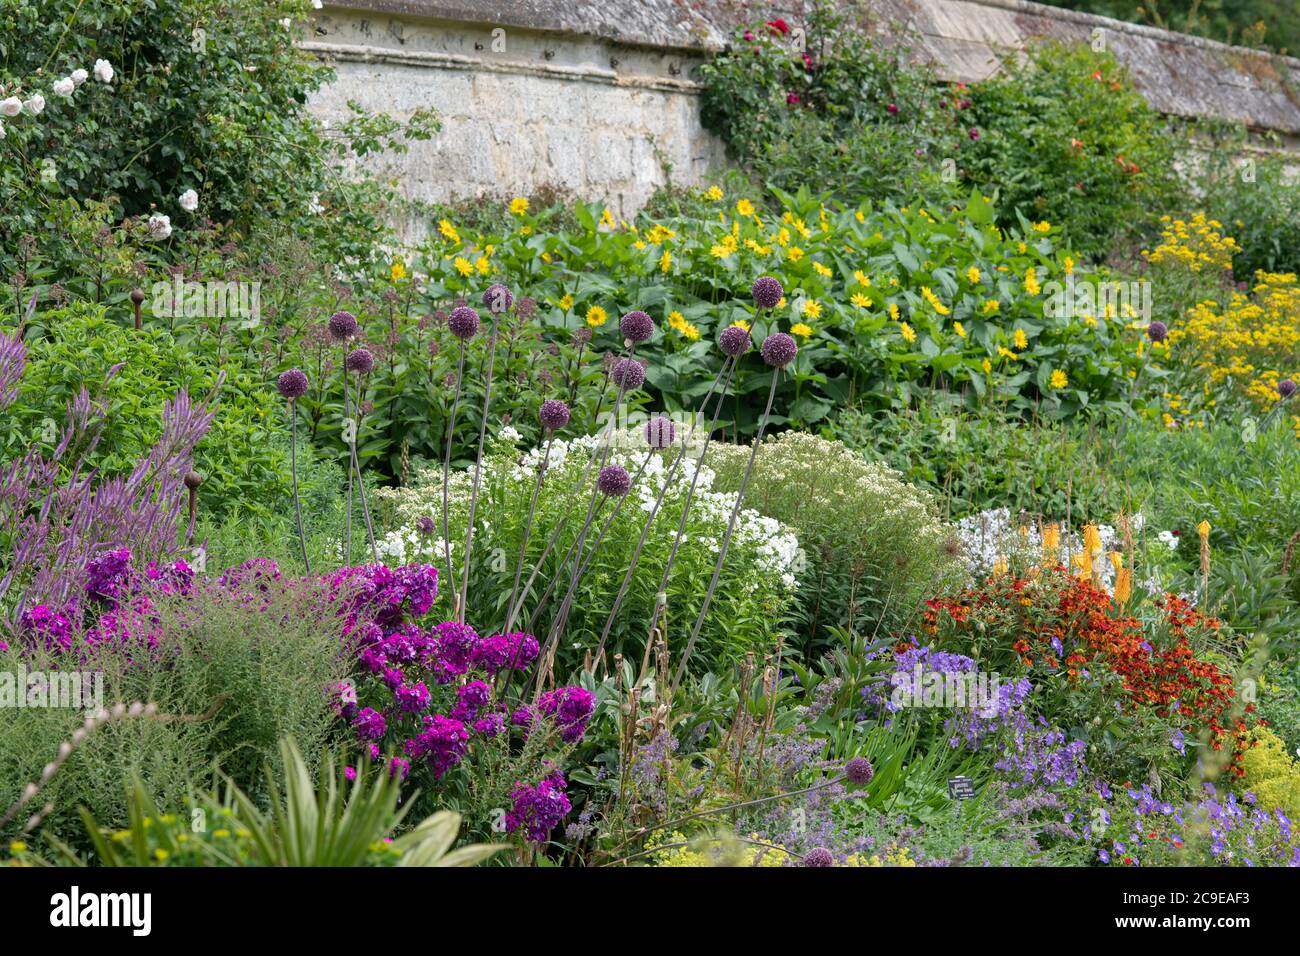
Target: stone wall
column 596, row 96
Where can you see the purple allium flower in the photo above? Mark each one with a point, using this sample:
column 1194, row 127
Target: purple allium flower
column 767, row 292
column 359, row 361
column 538, row 810
column 370, row 724
column 463, row 322
column 819, row 856
column 628, row 374
column 498, row 298
column 1286, row 387
column 343, row 325
column 570, row 708
column 1157, row 331
column 554, row 414
column 426, row 526
column 734, row 340
column 859, row 771
column 779, row 349
column 636, row 327
column 292, row 384
column 614, row 481
column 660, row 432
column 441, row 743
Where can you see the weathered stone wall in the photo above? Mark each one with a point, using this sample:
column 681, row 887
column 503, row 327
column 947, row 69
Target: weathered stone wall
column 596, row 96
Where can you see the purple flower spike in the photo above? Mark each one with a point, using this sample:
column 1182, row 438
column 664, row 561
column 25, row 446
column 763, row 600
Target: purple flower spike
column 636, row 327
column 660, row 432
column 498, row 298
column 361, row 361
column 779, row 349
column 292, row 384
column 734, row 341
column 463, row 322
column 628, row 374
column 553, row 414
column 343, row 325
column 767, row 292
column 1157, row 331
column 614, row 481
column 1286, row 387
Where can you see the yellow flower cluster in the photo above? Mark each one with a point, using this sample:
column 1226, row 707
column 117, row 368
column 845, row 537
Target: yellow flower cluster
column 677, row 322
column 1197, row 244
column 1255, row 339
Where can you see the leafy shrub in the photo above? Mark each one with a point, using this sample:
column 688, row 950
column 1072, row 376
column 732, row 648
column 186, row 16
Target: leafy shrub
column 874, row 545
column 244, row 456
column 1261, row 210
column 753, row 592
column 1065, row 136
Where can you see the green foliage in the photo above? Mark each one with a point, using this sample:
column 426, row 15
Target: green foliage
column 874, row 545
column 1259, row 206
column 1066, row 137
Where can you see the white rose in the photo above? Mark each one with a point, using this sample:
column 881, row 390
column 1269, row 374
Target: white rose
column 11, row 107
column 64, row 87
column 2, row 131
column 160, row 226
column 189, row 200
column 79, row 76
column 104, row 71
column 36, row 104
column 316, row 4
column 286, row 23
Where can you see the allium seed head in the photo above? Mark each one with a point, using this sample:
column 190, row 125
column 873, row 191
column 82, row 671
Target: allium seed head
column 660, row 432
column 498, row 298
column 1286, row 387
column 636, row 327
column 343, row 325
column 767, row 292
column 463, row 322
column 1157, row 331
column 614, row 481
column 192, row 480
column 361, row 361
column 292, row 384
column 553, row 414
column 628, row 374
column 734, row 340
column 779, row 349
column 859, row 771
column 425, row 526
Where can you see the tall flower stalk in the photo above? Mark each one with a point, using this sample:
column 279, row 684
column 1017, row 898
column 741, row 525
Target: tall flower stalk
column 553, row 415
column 292, row 385
column 463, row 322
column 362, row 362
column 343, row 328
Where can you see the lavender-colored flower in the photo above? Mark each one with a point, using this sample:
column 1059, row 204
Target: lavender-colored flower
column 554, row 414
column 819, row 856
column 859, row 771
column 463, row 322
column 614, row 481
column 636, row 327
column 1286, row 387
column 628, row 374
column 498, row 298
column 767, row 292
column 660, row 432
column 1157, row 331
column 360, row 361
column 779, row 349
column 343, row 325
column 734, row 340
column 292, row 384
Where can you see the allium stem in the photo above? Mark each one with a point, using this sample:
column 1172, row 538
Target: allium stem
column 528, row 525
column 347, row 547
column 293, row 469
column 365, row 505
column 726, row 539
column 478, row 469
column 724, row 375
column 446, row 476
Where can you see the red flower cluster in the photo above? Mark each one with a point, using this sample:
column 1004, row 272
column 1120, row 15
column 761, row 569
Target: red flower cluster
column 1059, row 613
